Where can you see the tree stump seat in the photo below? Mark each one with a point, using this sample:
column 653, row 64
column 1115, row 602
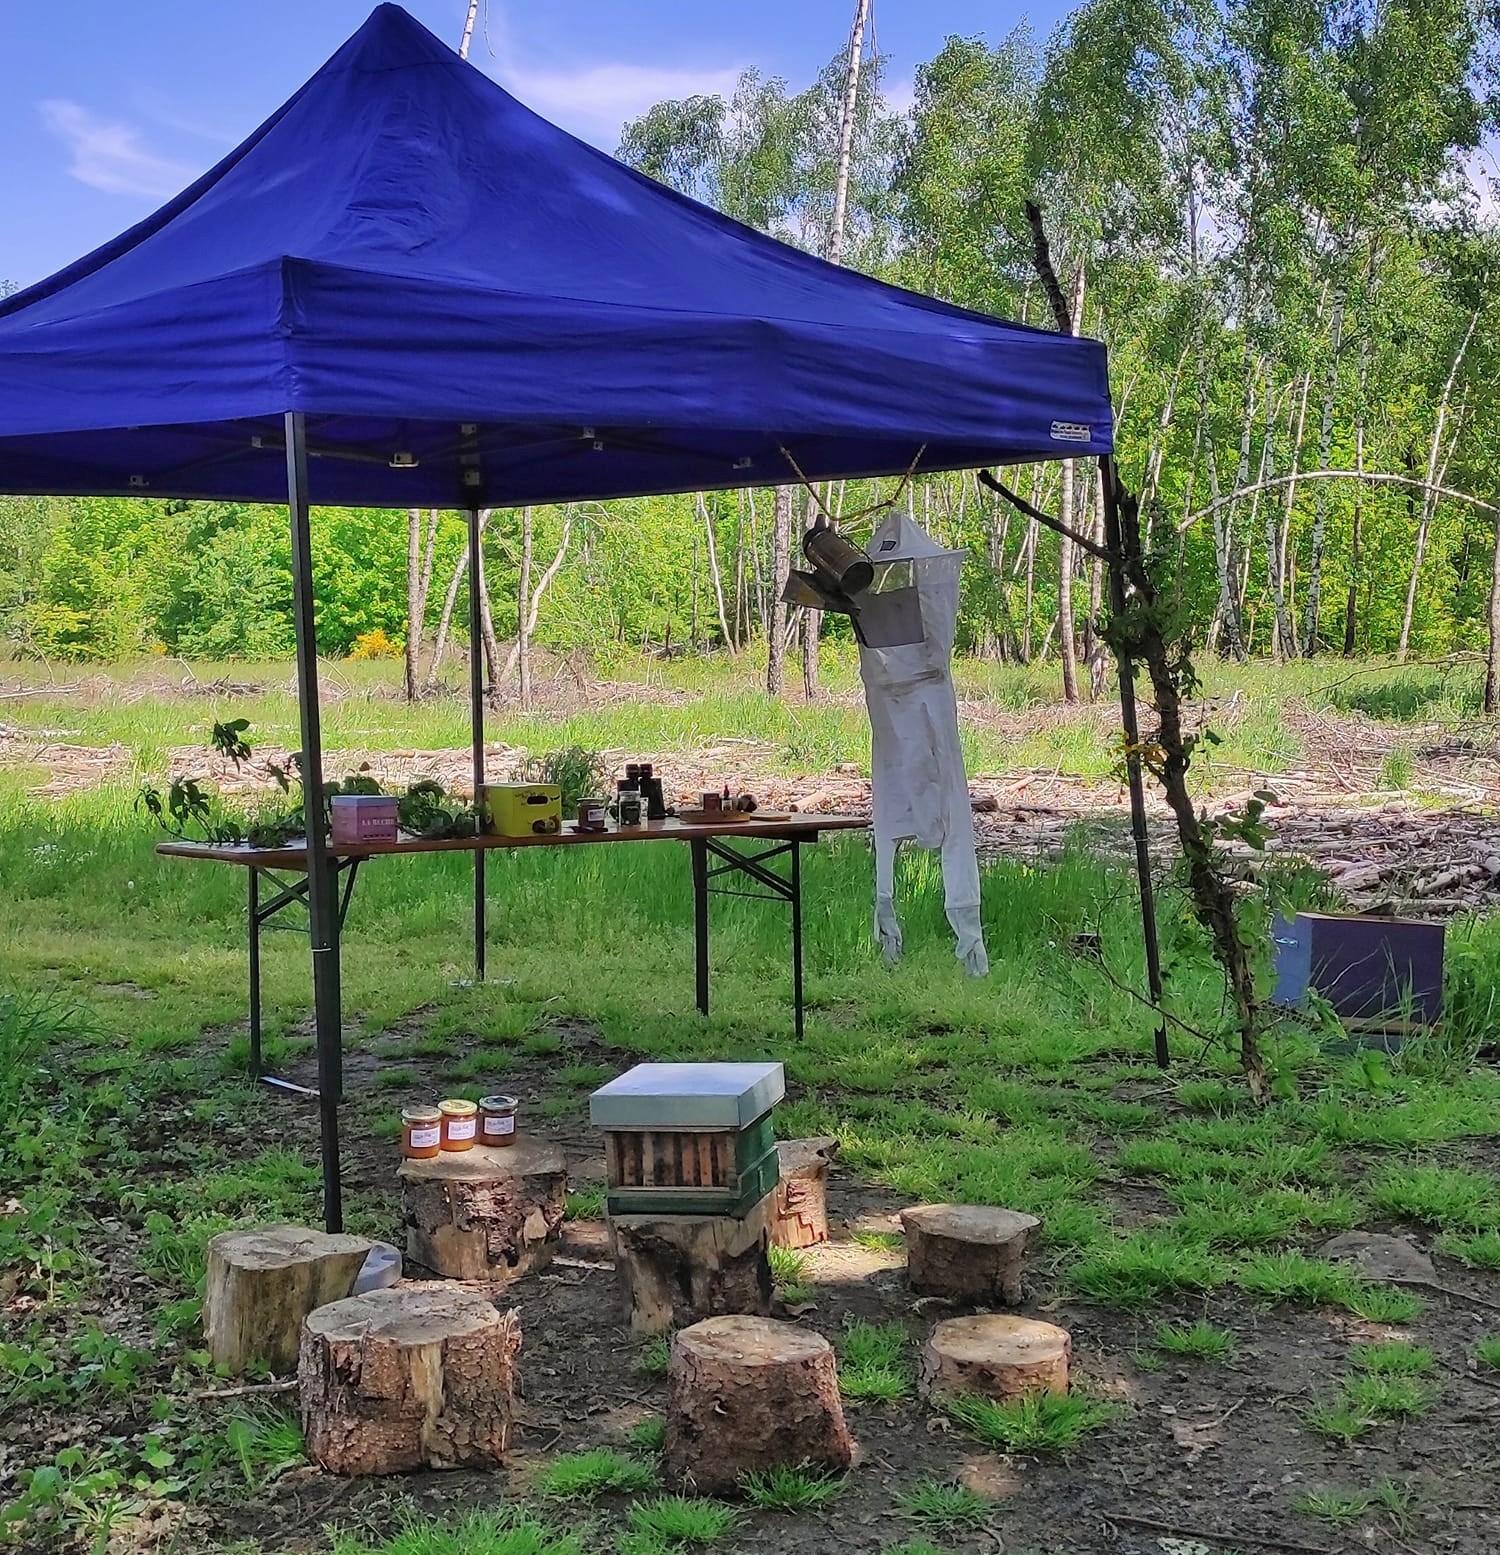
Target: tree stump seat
column 997, row 1355
column 967, row 1252
column 800, row 1218
column 415, row 1376
column 673, row 1270
column 749, row 1393
column 485, row 1213
column 261, row 1283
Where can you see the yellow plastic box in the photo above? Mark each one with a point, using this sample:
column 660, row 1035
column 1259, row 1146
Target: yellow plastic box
column 522, row 809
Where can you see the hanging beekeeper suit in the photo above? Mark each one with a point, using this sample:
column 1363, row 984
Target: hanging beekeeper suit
column 921, row 792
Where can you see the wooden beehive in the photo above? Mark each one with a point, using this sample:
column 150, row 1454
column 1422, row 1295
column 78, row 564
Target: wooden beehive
column 686, row 1138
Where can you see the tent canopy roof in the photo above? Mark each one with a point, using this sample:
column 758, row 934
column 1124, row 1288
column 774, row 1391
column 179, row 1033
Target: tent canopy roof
column 434, row 274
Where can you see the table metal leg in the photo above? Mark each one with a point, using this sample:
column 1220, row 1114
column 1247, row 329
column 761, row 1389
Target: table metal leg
column 700, row 918
column 253, row 916
column 796, row 884
column 479, row 913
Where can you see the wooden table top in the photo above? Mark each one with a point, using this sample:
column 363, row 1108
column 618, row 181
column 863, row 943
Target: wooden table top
column 796, row 827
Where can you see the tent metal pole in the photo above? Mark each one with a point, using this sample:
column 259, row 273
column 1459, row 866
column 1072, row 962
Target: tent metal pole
column 476, row 725
column 322, row 882
column 1131, row 729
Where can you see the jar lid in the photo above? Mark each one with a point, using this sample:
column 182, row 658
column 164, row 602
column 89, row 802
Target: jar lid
column 458, row 1108
column 499, row 1103
column 420, row 1115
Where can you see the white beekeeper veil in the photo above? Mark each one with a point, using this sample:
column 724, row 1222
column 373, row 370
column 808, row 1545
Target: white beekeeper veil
column 920, row 789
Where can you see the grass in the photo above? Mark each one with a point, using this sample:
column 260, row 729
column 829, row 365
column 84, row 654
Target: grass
column 653, row 1357
column 648, row 1435
column 586, row 1203
column 784, row 1489
column 1487, row 1352
column 681, row 1520
column 875, row 1363
column 1031, row 1089
column 1199, row 1341
column 789, row 1266
column 583, row 1475
column 1341, row 1507
column 1045, row 1422
column 943, row 1505
column 507, row 1532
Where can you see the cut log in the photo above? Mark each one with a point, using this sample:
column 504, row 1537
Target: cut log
column 994, row 1354
column 675, row 1269
column 485, row 1214
column 418, row 1376
column 260, row 1284
column 967, row 1252
column 799, row 1217
column 746, row 1393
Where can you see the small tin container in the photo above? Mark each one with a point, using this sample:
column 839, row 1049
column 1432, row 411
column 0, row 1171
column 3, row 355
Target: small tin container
column 593, row 814
column 421, row 1133
column 497, row 1120
column 460, row 1124
column 363, row 818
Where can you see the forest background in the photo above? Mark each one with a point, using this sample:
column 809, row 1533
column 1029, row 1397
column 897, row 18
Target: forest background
column 1280, row 215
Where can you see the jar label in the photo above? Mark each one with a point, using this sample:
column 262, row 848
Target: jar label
column 460, row 1128
column 503, row 1125
column 425, row 1138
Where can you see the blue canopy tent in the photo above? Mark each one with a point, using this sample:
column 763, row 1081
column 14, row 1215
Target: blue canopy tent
column 406, row 289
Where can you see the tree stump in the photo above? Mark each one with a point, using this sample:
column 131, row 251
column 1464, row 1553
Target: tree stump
column 967, row 1252
column 485, row 1214
column 260, row 1284
column 418, row 1376
column 800, row 1214
column 675, row 1269
column 746, row 1393
column 995, row 1354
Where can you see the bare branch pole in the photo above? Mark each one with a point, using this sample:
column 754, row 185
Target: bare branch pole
column 1020, row 503
column 1041, row 257
column 1372, row 477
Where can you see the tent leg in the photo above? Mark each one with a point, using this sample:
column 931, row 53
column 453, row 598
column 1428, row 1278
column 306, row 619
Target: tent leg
column 476, row 728
column 1130, row 727
column 322, row 882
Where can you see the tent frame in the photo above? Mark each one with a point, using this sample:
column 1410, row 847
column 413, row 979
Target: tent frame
column 326, row 908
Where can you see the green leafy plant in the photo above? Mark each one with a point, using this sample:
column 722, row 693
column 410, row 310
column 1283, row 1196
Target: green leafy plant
column 586, row 1203
column 265, row 1443
column 578, row 772
column 510, row 1531
column 1487, row 1352
column 785, row 1489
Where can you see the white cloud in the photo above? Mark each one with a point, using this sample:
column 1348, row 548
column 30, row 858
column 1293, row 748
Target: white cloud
column 109, row 155
column 600, row 98
column 591, row 100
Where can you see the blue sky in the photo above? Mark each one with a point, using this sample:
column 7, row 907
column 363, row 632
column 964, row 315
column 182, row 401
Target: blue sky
column 109, row 107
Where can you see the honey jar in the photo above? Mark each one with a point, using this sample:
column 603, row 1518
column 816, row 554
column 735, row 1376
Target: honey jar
column 497, row 1120
column 421, row 1133
column 459, row 1119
